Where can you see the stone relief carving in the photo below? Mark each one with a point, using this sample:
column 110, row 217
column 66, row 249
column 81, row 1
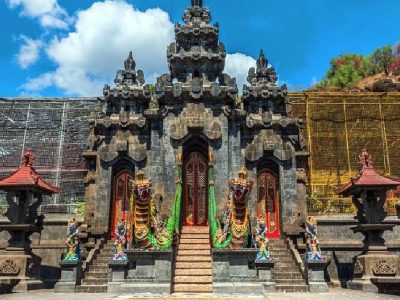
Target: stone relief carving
column 9, row 267
column 196, row 116
column 267, row 140
column 130, row 144
column 358, row 268
column 384, row 268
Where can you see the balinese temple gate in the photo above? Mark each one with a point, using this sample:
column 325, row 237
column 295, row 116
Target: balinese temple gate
column 186, row 164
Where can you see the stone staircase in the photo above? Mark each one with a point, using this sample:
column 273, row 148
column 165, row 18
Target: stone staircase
column 96, row 276
column 193, row 267
column 288, row 277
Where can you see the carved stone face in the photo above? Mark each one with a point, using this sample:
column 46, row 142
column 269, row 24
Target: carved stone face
column 142, row 191
column 240, row 188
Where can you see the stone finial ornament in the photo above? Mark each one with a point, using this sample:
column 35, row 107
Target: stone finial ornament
column 72, row 241
column 28, row 159
column 313, row 250
column 198, row 3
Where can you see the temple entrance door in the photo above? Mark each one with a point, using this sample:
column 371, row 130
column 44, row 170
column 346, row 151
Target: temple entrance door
column 121, row 199
column 268, row 202
column 195, row 181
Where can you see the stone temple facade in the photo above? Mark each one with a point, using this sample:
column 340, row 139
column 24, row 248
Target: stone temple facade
column 196, row 108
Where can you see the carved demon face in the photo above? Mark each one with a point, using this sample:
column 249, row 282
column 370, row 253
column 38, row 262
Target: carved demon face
column 142, row 191
column 240, row 189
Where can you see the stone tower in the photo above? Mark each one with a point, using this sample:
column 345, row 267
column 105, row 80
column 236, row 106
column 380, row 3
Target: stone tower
column 194, row 117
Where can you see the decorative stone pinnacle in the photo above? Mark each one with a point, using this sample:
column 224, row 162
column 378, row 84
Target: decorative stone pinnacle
column 198, row 3
column 262, row 61
column 28, row 159
column 130, row 62
column 242, row 173
column 365, row 159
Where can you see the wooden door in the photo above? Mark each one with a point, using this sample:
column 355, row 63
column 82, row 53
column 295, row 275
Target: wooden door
column 121, row 199
column 268, row 202
column 195, row 182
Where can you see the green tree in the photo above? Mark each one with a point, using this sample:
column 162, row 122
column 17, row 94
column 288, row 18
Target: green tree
column 345, row 71
column 383, row 58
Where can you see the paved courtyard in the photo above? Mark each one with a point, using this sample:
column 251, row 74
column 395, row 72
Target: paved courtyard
column 335, row 294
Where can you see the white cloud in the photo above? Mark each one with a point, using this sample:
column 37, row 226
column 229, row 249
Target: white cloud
column 49, row 13
column 88, row 56
column 28, row 52
column 102, row 38
column 238, row 65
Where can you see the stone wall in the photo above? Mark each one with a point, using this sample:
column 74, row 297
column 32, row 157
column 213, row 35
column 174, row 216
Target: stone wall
column 49, row 245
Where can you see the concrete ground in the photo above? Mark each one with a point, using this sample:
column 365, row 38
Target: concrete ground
column 334, row 294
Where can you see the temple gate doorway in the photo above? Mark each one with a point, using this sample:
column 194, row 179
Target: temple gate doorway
column 268, row 202
column 195, row 187
column 121, row 206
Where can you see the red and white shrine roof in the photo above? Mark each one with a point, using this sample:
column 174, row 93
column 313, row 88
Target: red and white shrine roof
column 367, row 177
column 26, row 178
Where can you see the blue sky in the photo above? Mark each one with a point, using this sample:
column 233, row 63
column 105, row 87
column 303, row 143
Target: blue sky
column 61, row 48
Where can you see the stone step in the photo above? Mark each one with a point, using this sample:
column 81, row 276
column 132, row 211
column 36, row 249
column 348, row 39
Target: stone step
column 99, row 264
column 289, row 271
column 95, row 281
column 92, row 274
column 193, row 288
column 195, row 229
column 288, row 281
column 191, row 236
column 193, row 272
column 302, row 288
column 91, row 288
column 191, row 258
column 193, row 279
column 193, row 252
column 204, row 246
column 97, row 269
column 104, row 259
column 195, row 241
column 193, row 265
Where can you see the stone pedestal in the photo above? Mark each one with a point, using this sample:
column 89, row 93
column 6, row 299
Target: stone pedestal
column 71, row 276
column 145, row 272
column 20, row 271
column 265, row 273
column 369, row 268
column 234, row 272
column 375, row 263
column 316, row 276
column 118, row 270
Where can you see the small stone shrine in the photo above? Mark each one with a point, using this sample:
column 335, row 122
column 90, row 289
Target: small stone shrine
column 19, row 266
column 375, row 268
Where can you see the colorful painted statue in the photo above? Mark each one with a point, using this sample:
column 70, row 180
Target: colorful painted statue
column 72, row 241
column 261, row 241
column 149, row 230
column 236, row 229
column 240, row 189
column 120, row 242
column 313, row 251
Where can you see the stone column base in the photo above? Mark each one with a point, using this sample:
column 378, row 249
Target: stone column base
column 65, row 287
column 363, row 285
column 21, row 285
column 318, row 287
